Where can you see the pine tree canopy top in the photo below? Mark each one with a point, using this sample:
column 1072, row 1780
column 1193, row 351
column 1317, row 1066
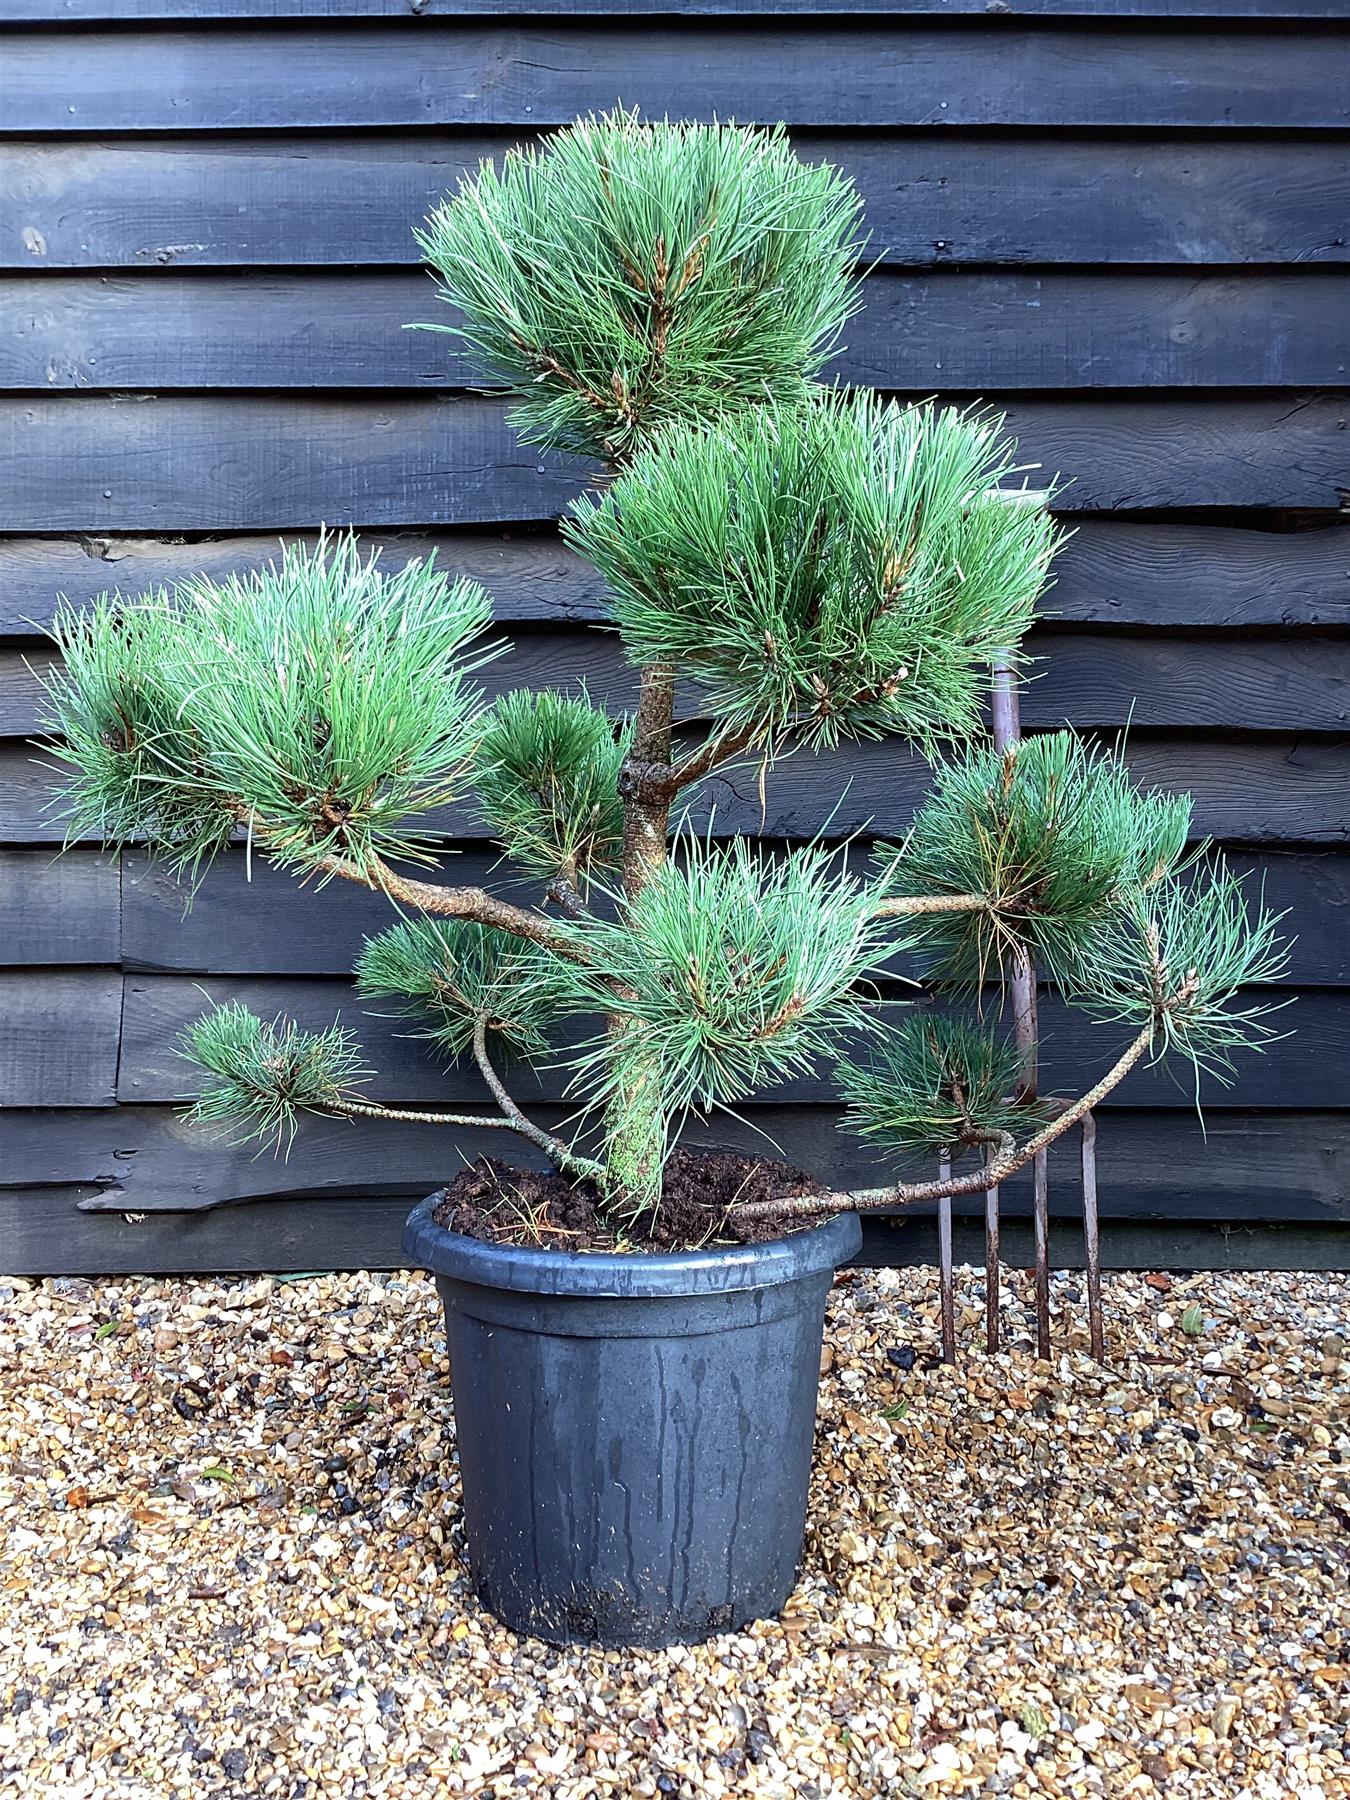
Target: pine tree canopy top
column 628, row 275
column 841, row 568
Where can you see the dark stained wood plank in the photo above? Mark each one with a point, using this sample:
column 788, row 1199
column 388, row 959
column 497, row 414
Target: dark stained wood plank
column 1097, row 329
column 44, row 12
column 1094, row 329
column 1095, row 681
column 930, row 199
column 531, row 576
column 1162, row 574
column 42, row 1232
column 1232, row 683
column 238, row 926
column 1280, row 1167
column 59, row 1037
column 809, row 72
column 1275, row 790
column 1311, row 1069
column 243, row 462
column 92, row 463
column 59, row 909
column 1113, row 572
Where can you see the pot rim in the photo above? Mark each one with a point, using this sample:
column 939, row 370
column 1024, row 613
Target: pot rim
column 598, row 1274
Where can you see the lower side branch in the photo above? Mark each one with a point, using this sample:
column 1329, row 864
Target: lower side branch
column 432, row 897
column 1008, row 1158
column 511, row 1118
column 557, row 1152
column 371, row 1109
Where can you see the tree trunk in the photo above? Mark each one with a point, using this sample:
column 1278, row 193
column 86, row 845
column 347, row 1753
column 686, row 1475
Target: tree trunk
column 635, row 1117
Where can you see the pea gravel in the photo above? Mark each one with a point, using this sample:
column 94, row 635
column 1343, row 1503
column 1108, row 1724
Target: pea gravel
column 231, row 1561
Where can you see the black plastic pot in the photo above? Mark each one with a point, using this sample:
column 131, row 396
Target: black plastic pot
column 634, row 1431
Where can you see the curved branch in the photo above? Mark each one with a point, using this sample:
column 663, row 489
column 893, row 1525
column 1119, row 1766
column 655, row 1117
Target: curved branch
column 463, row 903
column 553, row 1148
column 718, row 748
column 472, row 903
column 510, row 1119
column 1008, row 1158
column 371, row 1109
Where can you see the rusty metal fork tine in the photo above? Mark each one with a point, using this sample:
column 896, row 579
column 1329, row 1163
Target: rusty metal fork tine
column 1092, row 1247
column 946, row 1274
column 991, row 1270
column 1041, row 1205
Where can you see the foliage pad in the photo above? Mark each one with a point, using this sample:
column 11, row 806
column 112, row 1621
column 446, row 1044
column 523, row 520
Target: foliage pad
column 548, row 783
column 738, row 970
column 448, row 971
column 629, row 276
column 840, row 569
column 1054, row 834
column 932, row 1086
column 259, row 1077
column 319, row 702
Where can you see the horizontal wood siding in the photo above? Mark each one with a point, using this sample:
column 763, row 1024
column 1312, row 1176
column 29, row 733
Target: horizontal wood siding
column 818, row 71
column 1123, row 225
column 933, row 199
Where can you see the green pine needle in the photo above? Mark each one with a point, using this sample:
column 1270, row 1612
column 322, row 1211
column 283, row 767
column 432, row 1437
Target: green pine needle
column 1196, row 933
column 548, row 783
column 628, row 276
column 133, row 755
column 1055, row 835
column 839, row 569
column 257, row 1078
column 737, row 972
column 448, row 971
column 321, row 697
column 932, row 1086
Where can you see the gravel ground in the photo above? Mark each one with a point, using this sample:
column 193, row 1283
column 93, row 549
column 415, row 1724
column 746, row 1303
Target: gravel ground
column 231, row 1563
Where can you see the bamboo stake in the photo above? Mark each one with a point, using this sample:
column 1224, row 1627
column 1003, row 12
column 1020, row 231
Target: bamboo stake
column 1092, row 1239
column 946, row 1274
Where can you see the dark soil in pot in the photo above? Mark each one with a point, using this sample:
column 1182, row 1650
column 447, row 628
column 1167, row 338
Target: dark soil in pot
column 499, row 1204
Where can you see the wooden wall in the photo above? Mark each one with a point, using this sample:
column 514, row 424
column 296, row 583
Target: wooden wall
column 1125, row 223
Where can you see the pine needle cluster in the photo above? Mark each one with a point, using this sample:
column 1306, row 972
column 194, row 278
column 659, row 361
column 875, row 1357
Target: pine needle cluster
column 933, row 1087
column 449, row 972
column 548, row 783
column 629, row 276
column 1182, row 956
column 838, row 569
column 1054, row 834
column 739, row 972
column 133, row 754
column 257, row 1078
column 321, row 702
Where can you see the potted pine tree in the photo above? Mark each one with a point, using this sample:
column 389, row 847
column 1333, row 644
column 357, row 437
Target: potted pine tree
column 635, row 1330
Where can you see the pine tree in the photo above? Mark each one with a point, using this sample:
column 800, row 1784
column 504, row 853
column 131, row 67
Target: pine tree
column 794, row 566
